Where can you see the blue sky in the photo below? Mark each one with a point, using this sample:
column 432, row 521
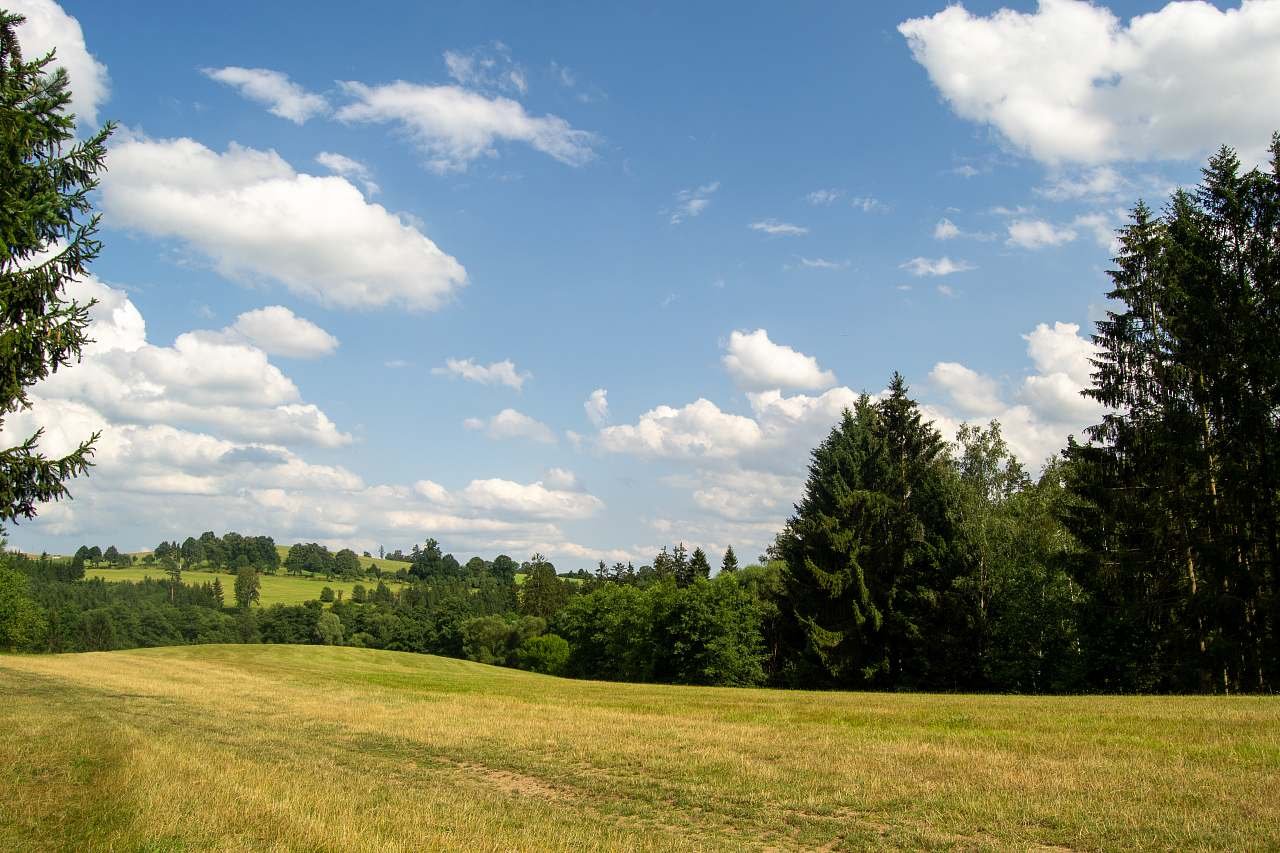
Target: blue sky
column 587, row 281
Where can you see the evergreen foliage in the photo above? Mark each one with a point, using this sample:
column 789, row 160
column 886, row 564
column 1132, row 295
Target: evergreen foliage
column 870, row 551
column 47, row 239
column 1177, row 498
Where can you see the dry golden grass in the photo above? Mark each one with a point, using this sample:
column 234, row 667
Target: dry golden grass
column 309, row 748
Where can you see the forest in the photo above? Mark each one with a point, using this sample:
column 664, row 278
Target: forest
column 1143, row 558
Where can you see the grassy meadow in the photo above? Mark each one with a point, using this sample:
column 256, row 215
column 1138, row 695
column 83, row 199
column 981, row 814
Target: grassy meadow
column 315, row 748
column 387, row 566
column 275, row 589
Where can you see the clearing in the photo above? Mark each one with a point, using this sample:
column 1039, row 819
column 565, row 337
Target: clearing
column 316, row 748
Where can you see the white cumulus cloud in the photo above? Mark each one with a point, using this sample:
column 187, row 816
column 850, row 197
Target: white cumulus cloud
column 1039, row 234
column 945, row 230
column 1071, row 82
column 532, row 499
column 698, row 429
column 206, row 379
column 48, row 27
column 754, row 361
column 348, row 167
column 971, row 392
column 510, row 424
column 455, row 126
column 255, row 217
column 278, row 331
column 597, row 407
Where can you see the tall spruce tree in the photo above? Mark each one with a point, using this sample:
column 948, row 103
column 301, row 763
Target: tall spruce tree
column 730, row 562
column 1176, row 496
column 47, row 230
column 699, row 568
column 868, row 555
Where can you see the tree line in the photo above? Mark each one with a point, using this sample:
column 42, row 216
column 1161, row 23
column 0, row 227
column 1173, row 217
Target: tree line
column 1144, row 557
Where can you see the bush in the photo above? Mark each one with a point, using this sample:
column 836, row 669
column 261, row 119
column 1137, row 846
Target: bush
column 329, row 629
column 547, row 654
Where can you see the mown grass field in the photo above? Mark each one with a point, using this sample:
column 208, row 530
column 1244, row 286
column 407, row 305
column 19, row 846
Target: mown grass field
column 388, row 566
column 312, row 748
column 274, row 589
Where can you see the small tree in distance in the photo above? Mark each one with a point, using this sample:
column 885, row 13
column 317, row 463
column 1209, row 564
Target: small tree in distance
column 698, row 565
column 247, row 587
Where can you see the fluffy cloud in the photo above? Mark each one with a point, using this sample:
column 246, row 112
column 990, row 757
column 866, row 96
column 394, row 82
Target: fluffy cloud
column 510, row 424
column 281, row 96
column 159, row 459
column 945, row 230
column 48, row 28
column 735, row 494
column 254, row 216
column 347, row 167
column 774, row 228
column 533, row 500
column 1046, row 407
column 973, row 393
column 1103, row 228
column 1038, row 234
column 525, row 500
column 938, row 267
column 691, row 202
column 563, row 479
column 776, row 436
column 278, row 331
column 597, row 407
column 1070, row 82
column 754, row 361
column 746, row 477
column 498, row 373
column 1063, row 360
column 698, row 429
column 206, row 379
column 455, row 126
column 192, row 438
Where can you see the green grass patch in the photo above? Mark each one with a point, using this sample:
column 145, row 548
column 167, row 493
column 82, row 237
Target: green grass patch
column 388, row 566
column 275, row 589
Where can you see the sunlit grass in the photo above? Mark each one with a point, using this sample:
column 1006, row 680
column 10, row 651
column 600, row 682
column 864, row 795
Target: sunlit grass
column 310, row 748
column 385, row 565
column 274, row 589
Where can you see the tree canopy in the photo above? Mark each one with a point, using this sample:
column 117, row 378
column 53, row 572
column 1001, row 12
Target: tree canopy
column 47, row 239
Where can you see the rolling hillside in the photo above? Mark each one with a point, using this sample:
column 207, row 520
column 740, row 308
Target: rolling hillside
column 275, row 589
column 313, row 748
